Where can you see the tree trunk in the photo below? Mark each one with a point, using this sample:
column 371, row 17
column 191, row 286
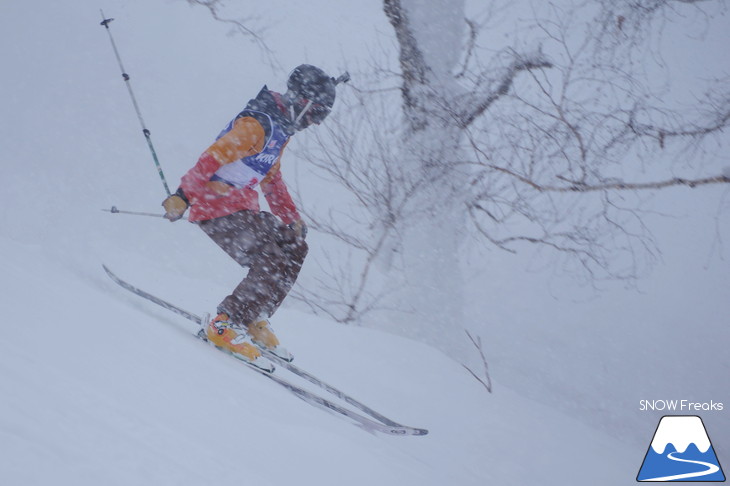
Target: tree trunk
column 431, row 40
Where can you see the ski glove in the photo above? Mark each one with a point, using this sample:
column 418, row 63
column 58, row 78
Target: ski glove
column 300, row 228
column 175, row 206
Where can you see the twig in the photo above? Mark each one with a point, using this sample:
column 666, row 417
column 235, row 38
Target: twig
column 478, row 344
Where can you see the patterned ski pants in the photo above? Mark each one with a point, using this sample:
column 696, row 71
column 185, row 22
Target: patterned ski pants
column 272, row 253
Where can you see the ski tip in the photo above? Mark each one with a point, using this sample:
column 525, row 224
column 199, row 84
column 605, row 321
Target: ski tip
column 112, row 275
column 265, row 368
column 263, row 364
column 278, row 353
column 403, row 430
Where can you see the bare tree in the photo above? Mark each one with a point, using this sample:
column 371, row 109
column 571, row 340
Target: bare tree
column 568, row 134
column 550, row 140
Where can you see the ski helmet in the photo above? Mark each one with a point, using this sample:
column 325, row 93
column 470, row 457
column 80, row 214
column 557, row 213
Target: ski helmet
column 309, row 85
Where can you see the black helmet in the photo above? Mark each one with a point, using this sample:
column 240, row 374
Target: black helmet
column 311, row 83
column 311, row 95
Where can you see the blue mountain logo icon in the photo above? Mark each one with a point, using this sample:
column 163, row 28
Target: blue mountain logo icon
column 681, row 451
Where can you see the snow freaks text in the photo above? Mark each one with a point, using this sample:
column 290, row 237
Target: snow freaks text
column 679, row 406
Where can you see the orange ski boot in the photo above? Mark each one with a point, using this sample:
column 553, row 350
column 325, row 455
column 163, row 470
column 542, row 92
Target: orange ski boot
column 263, row 336
column 223, row 335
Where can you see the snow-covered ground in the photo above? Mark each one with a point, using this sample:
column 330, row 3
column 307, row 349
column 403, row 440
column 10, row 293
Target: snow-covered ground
column 100, row 387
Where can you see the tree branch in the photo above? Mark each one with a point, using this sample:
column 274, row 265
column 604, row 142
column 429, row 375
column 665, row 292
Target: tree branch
column 507, row 79
column 238, row 25
column 576, row 186
column 487, row 382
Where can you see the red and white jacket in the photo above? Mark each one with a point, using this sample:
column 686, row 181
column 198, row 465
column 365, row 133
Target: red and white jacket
column 251, row 156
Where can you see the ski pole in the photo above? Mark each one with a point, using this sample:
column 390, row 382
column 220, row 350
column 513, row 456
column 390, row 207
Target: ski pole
column 105, row 22
column 114, row 210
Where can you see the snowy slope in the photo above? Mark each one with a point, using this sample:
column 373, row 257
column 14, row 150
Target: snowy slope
column 136, row 400
column 98, row 387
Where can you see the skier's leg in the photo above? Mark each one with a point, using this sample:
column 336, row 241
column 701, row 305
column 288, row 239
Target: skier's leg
column 250, row 238
column 295, row 251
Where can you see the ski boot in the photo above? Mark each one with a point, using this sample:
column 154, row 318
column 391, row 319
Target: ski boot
column 263, row 336
column 223, row 335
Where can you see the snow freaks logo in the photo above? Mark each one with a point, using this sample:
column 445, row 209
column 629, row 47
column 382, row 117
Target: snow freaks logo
column 681, row 451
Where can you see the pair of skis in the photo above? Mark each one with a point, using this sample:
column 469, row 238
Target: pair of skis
column 367, row 418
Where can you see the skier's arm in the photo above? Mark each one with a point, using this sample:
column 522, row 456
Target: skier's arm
column 277, row 195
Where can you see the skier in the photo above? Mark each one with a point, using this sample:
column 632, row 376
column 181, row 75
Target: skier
column 221, row 192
